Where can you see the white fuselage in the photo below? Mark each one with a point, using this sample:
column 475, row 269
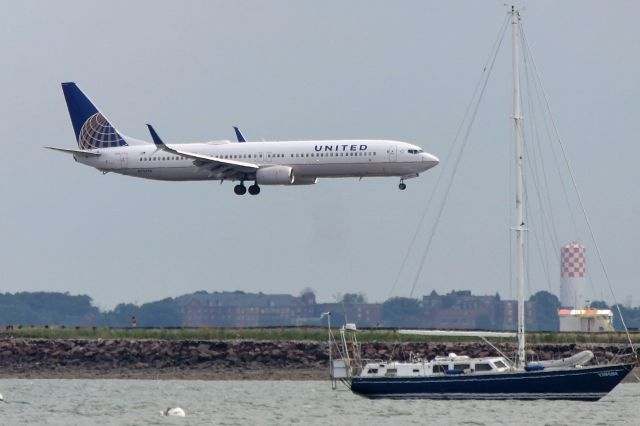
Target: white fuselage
column 308, row 159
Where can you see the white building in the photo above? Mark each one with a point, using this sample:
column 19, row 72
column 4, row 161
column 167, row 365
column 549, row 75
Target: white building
column 586, row 320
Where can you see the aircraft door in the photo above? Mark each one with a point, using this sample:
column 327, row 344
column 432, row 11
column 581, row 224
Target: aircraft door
column 123, row 160
column 116, row 160
column 268, row 157
column 393, row 156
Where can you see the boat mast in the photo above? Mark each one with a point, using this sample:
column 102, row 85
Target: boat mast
column 520, row 227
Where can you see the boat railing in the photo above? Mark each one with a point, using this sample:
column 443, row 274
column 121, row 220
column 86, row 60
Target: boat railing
column 625, row 354
column 366, row 361
column 345, row 361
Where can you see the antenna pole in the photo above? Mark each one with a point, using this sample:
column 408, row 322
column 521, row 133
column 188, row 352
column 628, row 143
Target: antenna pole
column 520, row 226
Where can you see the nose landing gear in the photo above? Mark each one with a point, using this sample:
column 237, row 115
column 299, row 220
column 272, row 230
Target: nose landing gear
column 402, row 185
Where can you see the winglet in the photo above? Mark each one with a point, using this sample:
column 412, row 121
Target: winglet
column 239, row 135
column 155, row 137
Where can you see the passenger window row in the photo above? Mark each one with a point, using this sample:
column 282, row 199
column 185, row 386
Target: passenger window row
column 241, row 156
column 163, row 158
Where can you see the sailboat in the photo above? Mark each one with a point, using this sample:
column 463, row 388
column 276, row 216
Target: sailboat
column 494, row 377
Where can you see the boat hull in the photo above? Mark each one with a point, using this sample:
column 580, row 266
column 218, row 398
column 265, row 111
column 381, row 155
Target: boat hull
column 585, row 384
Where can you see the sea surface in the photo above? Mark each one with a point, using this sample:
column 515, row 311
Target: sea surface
column 140, row 402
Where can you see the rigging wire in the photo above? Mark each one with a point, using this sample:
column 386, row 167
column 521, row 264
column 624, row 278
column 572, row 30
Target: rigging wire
column 579, row 197
column 424, row 215
column 553, row 233
column 531, row 158
column 539, row 98
column 486, row 73
column 548, row 219
column 537, row 163
column 538, row 242
column 554, row 236
column 495, row 48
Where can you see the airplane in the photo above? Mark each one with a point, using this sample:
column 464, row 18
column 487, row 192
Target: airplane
column 102, row 146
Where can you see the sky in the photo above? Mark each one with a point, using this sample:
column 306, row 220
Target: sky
column 296, row 70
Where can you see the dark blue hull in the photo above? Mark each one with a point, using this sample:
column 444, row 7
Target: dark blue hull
column 586, row 384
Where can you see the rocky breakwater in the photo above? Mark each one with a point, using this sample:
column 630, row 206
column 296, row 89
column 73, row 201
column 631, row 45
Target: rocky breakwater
column 160, row 358
column 233, row 359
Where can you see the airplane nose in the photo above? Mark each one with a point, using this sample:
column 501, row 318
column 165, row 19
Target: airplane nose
column 430, row 158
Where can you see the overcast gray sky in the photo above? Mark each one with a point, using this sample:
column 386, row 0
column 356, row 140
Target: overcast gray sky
column 300, row 70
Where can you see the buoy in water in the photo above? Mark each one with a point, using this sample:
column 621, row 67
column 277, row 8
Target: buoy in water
column 1, row 398
column 174, row 411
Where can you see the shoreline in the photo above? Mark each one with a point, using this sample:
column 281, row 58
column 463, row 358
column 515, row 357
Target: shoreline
column 315, row 374
column 309, row 374
column 149, row 359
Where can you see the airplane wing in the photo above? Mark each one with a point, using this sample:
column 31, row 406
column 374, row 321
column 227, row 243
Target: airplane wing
column 239, row 135
column 75, row 151
column 223, row 167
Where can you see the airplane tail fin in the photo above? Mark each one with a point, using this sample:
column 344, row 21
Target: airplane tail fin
column 92, row 129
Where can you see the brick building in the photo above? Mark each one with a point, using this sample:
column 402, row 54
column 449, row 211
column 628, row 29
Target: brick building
column 240, row 309
column 463, row 311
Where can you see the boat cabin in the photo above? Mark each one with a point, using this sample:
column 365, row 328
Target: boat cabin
column 452, row 364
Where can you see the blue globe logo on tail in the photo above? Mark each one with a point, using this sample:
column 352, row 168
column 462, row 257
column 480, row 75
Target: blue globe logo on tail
column 96, row 132
column 92, row 129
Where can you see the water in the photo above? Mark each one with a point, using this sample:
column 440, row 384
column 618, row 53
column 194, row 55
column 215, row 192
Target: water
column 139, row 402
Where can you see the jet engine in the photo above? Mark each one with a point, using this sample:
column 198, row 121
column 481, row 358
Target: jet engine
column 305, row 181
column 275, row 175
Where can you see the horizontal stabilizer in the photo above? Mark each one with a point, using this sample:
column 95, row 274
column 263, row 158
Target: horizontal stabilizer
column 75, row 151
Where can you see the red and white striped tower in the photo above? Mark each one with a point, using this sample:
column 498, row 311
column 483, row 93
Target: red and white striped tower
column 573, row 276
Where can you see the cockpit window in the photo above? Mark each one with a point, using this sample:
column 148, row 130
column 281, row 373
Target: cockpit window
column 414, row 151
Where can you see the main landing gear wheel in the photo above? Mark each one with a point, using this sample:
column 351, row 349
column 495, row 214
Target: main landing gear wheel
column 254, row 189
column 402, row 186
column 240, row 189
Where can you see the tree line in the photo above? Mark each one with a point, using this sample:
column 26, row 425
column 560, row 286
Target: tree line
column 63, row 309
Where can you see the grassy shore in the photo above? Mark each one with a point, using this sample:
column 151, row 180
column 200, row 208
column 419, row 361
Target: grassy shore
column 315, row 334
